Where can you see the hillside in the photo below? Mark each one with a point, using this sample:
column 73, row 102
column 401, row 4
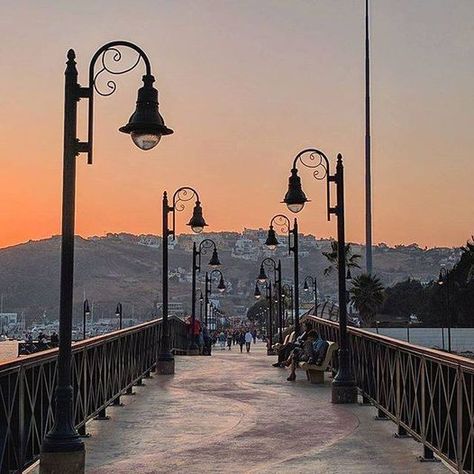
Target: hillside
column 127, row 268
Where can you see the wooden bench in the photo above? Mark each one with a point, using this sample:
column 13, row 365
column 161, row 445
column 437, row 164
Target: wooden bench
column 288, row 338
column 315, row 373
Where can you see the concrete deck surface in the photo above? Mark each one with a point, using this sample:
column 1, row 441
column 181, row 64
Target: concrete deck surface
column 233, row 412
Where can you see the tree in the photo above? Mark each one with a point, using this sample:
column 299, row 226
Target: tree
column 404, row 298
column 352, row 260
column 367, row 295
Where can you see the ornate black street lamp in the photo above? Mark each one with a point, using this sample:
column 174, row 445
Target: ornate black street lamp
column 262, row 278
column 119, row 314
column 287, row 291
column 198, row 251
column 86, row 312
column 221, row 287
column 165, row 359
column 343, row 386
column 284, row 224
column 445, row 280
column 146, row 126
column 269, row 297
column 314, row 282
column 201, row 302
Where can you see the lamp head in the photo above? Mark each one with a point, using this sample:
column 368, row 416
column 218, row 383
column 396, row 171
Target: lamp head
column 197, row 222
column 118, row 310
column 348, row 275
column 272, row 240
column 295, row 198
column 257, row 293
column 305, row 287
column 221, row 285
column 262, row 276
column 214, row 262
column 201, row 298
column 146, row 126
column 87, row 310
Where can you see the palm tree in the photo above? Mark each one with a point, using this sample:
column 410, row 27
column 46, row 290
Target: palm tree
column 468, row 254
column 352, row 259
column 367, row 295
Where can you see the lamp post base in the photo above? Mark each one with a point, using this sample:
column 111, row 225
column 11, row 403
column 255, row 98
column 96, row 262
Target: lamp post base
column 343, row 393
column 165, row 365
column 57, row 463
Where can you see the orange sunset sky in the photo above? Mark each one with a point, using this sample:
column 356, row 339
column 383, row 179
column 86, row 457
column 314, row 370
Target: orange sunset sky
column 245, row 85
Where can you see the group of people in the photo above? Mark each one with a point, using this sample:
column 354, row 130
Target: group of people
column 237, row 337
column 309, row 347
column 205, row 340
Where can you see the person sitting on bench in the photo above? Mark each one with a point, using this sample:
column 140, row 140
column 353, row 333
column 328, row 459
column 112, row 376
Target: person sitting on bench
column 286, row 349
column 313, row 351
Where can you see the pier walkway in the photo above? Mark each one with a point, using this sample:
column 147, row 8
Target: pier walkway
column 233, row 412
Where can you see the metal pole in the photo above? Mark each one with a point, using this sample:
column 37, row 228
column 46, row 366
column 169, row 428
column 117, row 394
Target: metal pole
column 193, row 346
column 368, row 165
column 84, row 319
column 296, row 301
column 270, row 314
column 343, row 386
column 120, row 315
column 165, row 359
column 315, row 296
column 448, row 309
column 206, row 297
column 63, row 436
column 280, row 307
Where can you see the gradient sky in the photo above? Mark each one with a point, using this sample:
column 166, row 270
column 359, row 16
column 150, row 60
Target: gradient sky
column 245, row 85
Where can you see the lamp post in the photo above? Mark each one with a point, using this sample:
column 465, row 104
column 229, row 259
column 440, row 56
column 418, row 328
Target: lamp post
column 165, row 359
column 288, row 290
column 208, row 289
column 262, row 277
column 343, row 386
column 198, row 251
column 284, row 223
column 269, row 297
column 119, row 314
column 201, row 301
column 146, row 126
column 86, row 312
column 445, row 280
column 314, row 282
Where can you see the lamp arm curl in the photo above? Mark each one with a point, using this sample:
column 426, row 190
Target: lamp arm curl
column 319, row 162
column 88, row 92
column 180, row 197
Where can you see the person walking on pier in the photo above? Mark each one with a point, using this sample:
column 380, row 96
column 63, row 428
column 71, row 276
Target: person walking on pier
column 248, row 340
column 241, row 338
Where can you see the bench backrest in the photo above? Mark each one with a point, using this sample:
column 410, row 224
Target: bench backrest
column 329, row 353
column 287, row 337
column 292, row 337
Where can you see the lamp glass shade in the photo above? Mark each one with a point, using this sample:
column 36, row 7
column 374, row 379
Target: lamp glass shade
column 272, row 240
column 295, row 198
column 214, row 262
column 262, row 276
column 257, row 293
column 146, row 126
column 221, row 285
column 87, row 310
column 145, row 141
column 197, row 222
column 201, row 298
column 305, row 287
column 348, row 275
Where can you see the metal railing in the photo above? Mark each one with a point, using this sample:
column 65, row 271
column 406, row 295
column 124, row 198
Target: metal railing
column 428, row 393
column 103, row 368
